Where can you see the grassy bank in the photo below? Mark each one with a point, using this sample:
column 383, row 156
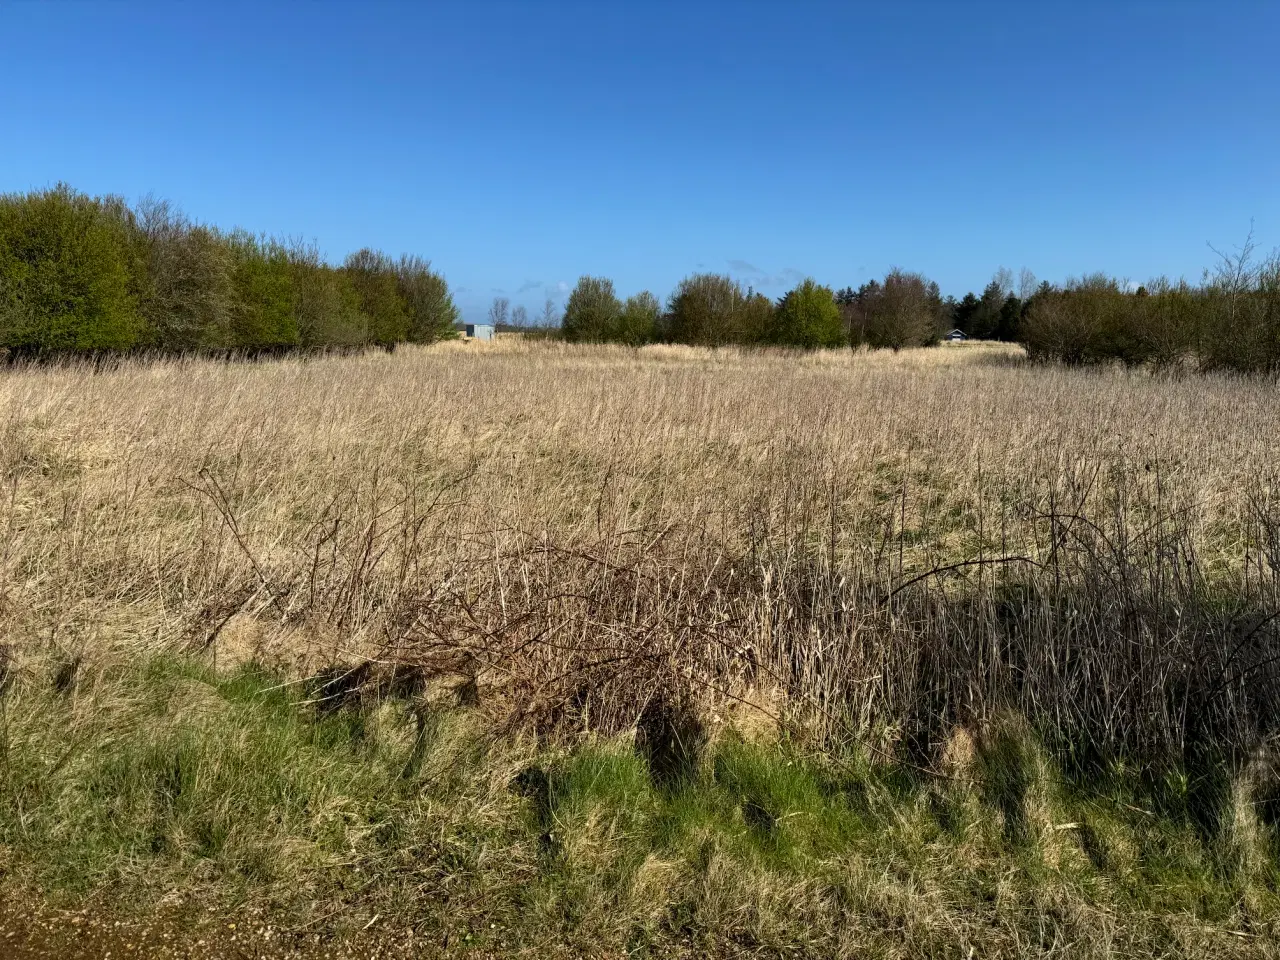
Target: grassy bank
column 144, row 781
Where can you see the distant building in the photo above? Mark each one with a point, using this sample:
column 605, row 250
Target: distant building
column 956, row 336
column 479, row 331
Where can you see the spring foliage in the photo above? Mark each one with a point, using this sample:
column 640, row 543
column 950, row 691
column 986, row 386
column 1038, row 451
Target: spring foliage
column 82, row 274
column 91, row 274
column 808, row 317
column 714, row 310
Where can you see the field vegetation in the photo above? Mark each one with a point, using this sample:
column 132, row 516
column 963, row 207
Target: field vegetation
column 529, row 647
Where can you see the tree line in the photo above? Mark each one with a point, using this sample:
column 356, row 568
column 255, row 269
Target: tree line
column 92, row 274
column 81, row 274
column 712, row 310
column 1229, row 321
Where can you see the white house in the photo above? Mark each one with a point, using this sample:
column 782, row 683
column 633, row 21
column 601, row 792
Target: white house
column 479, row 331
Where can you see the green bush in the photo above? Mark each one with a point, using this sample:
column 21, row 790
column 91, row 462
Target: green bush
column 712, row 310
column 86, row 274
column 1231, row 322
column 263, row 315
column 593, row 311
column 375, row 278
column 68, row 273
column 326, row 306
column 1240, row 328
column 432, row 313
column 638, row 323
column 756, row 318
column 191, row 294
column 81, row 274
column 808, row 317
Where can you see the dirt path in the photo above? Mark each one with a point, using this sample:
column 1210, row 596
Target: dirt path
column 30, row 930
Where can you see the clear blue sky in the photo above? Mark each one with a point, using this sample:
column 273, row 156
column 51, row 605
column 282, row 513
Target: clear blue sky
column 518, row 145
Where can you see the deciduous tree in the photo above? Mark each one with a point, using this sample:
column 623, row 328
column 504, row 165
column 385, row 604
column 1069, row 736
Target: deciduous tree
column 432, row 313
column 374, row 279
column 69, row 277
column 808, row 317
column 592, row 311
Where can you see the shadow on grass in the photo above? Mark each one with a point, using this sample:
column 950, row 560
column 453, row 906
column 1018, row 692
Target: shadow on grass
column 163, row 774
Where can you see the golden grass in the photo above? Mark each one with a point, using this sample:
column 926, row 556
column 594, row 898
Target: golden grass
column 303, row 510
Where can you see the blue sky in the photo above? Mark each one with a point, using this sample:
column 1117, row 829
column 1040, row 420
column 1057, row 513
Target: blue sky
column 519, row 145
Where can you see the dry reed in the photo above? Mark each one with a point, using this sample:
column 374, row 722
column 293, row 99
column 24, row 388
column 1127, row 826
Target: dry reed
column 884, row 544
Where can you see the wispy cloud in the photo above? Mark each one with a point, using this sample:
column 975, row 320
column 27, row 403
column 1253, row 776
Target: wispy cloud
column 786, row 277
column 530, row 285
column 497, row 290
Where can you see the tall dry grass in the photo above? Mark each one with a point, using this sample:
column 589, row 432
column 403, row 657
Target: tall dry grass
column 867, row 547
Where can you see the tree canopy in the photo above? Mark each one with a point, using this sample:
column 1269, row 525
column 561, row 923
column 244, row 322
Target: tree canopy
column 808, row 316
column 91, row 274
column 592, row 312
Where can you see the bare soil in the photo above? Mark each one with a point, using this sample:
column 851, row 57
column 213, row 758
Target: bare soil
column 33, row 930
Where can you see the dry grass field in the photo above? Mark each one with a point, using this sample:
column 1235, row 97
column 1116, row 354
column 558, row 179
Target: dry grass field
column 506, row 645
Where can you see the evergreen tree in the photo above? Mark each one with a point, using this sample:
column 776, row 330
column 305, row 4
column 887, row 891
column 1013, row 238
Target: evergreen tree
column 985, row 319
column 962, row 317
column 1010, row 319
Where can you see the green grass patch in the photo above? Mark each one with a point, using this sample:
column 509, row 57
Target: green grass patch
column 145, row 777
